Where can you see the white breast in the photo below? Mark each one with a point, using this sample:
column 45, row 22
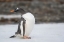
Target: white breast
column 30, row 21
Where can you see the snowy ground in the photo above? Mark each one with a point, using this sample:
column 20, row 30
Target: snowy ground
column 50, row 32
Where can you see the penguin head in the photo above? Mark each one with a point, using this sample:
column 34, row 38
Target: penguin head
column 18, row 10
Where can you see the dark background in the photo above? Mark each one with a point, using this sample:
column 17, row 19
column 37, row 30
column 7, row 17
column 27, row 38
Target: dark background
column 43, row 10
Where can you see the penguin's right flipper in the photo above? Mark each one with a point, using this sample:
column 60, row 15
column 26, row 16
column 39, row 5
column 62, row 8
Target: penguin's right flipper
column 13, row 36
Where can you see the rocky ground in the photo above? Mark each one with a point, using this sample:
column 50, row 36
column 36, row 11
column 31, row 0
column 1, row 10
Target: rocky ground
column 43, row 10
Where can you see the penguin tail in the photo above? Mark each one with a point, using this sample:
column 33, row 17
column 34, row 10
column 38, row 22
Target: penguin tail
column 13, row 36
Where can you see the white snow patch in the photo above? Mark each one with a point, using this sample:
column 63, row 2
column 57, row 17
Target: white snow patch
column 11, row 16
column 51, row 32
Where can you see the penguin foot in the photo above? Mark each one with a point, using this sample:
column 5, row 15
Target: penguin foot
column 13, row 36
column 25, row 37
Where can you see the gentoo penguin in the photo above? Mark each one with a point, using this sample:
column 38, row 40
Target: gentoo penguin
column 26, row 23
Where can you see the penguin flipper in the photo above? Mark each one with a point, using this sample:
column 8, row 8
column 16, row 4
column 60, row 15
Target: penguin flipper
column 13, row 36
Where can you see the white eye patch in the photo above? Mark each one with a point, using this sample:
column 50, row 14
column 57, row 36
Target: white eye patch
column 17, row 8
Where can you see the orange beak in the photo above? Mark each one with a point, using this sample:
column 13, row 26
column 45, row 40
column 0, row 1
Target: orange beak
column 11, row 10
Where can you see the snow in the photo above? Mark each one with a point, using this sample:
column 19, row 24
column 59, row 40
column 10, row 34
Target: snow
column 11, row 16
column 46, row 32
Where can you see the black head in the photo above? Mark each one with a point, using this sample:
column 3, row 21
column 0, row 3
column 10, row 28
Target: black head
column 18, row 10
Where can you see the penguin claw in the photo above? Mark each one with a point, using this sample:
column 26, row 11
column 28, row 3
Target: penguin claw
column 26, row 37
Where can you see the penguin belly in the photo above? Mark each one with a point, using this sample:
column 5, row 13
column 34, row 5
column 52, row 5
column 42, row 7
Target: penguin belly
column 29, row 27
column 29, row 24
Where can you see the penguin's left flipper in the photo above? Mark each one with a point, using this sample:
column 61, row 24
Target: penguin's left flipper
column 13, row 36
